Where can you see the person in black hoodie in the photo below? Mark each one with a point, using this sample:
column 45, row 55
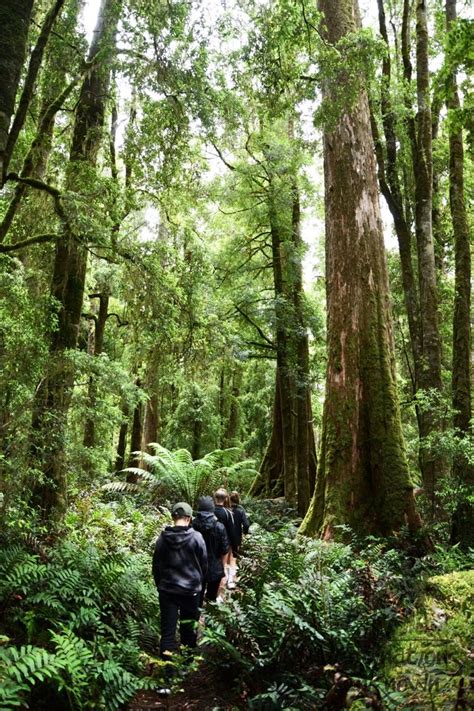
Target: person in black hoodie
column 179, row 570
column 217, row 544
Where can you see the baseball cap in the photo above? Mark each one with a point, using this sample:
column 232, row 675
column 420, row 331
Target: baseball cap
column 181, row 509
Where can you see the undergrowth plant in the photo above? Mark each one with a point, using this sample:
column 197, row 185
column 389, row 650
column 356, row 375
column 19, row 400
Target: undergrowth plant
column 79, row 626
column 325, row 605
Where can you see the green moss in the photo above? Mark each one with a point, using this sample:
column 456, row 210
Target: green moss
column 430, row 653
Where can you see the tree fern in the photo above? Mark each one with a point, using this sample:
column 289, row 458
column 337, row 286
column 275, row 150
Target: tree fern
column 174, row 475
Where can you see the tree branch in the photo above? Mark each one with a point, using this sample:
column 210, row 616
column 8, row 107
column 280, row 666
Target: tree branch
column 255, row 325
column 39, row 239
column 219, row 153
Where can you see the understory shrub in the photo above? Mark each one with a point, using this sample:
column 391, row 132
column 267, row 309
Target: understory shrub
column 79, row 626
column 308, row 611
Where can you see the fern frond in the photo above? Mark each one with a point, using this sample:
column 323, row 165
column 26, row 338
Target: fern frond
column 122, row 486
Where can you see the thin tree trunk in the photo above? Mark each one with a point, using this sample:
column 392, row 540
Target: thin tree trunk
column 98, row 345
column 270, row 481
column 151, row 421
column 285, row 377
column 231, row 434
column 36, row 59
column 391, row 190
column 69, row 272
column 222, row 406
column 363, row 479
column 122, row 440
column 36, row 159
column 463, row 518
column 14, row 24
column 306, row 462
column 289, row 465
column 430, row 371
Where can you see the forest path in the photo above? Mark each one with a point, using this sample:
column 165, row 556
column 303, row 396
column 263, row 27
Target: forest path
column 200, row 690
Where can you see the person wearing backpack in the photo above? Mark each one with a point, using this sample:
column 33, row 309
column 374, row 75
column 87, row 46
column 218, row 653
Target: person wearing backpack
column 217, row 545
column 224, row 514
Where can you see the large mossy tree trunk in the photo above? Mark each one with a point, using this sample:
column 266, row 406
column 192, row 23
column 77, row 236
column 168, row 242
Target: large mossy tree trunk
column 463, row 517
column 363, row 479
column 14, row 25
column 67, row 287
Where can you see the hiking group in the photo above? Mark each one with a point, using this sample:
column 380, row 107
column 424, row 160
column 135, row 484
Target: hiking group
column 195, row 559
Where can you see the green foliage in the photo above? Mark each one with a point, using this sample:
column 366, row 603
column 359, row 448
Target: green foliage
column 323, row 604
column 82, row 622
column 344, row 69
column 176, row 476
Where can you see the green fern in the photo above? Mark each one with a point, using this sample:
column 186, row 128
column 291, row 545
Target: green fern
column 174, row 475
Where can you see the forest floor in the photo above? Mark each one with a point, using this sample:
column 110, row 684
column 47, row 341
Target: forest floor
column 202, row 690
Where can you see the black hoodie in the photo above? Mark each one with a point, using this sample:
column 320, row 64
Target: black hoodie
column 216, row 540
column 180, row 561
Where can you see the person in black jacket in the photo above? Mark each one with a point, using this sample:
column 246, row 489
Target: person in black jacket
column 179, row 570
column 225, row 516
column 241, row 521
column 217, row 545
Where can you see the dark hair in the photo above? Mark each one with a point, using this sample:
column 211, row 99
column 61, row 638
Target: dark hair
column 235, row 497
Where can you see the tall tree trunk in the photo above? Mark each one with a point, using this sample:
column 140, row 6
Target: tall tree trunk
column 136, row 435
column 463, row 517
column 231, row 434
column 99, row 321
column 69, row 272
column 122, row 440
column 289, row 465
column 306, row 462
column 432, row 464
column 36, row 59
column 222, row 399
column 53, row 96
column 285, row 375
column 151, row 421
column 363, row 479
column 269, row 481
column 392, row 192
column 14, row 24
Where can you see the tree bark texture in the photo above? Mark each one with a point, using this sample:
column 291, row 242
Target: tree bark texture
column 463, row 517
column 363, row 479
column 14, row 24
column 68, row 280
